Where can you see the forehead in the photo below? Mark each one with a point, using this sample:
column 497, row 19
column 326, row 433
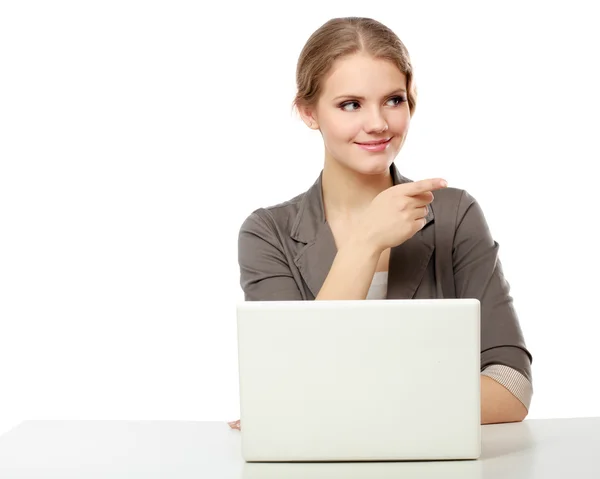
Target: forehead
column 362, row 75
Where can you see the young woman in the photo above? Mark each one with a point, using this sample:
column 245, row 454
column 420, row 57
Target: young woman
column 364, row 231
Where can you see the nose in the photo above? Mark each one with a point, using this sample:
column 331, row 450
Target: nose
column 375, row 122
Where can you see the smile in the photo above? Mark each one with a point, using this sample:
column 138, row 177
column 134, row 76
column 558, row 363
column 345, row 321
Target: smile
column 378, row 145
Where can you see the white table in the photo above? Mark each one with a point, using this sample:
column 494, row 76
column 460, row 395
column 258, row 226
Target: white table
column 545, row 449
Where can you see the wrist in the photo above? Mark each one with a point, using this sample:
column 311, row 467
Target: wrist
column 363, row 245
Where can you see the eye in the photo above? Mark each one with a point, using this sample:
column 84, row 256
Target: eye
column 346, row 106
column 397, row 100
column 354, row 105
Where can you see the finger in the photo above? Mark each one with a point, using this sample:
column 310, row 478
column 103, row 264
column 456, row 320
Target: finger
column 234, row 424
column 421, row 199
column 421, row 212
column 422, row 186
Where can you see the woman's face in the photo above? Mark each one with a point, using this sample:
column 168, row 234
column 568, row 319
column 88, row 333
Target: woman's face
column 363, row 100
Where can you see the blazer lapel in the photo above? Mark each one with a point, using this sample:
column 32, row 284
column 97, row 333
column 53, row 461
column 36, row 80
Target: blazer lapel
column 408, row 262
column 314, row 260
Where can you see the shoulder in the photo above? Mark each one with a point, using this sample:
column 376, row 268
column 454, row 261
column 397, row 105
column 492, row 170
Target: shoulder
column 277, row 218
column 459, row 214
column 452, row 201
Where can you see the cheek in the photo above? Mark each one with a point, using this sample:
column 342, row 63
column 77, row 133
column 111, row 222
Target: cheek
column 400, row 122
column 342, row 129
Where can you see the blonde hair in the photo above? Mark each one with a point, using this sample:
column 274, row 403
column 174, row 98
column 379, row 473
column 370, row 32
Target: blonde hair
column 340, row 37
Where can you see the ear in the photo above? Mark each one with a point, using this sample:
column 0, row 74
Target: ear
column 308, row 116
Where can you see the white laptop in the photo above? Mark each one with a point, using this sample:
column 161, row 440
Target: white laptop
column 369, row 380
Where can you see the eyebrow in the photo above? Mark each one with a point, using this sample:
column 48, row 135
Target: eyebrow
column 357, row 97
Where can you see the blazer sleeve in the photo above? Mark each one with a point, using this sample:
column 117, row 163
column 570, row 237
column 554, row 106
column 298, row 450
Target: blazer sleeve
column 478, row 274
column 265, row 273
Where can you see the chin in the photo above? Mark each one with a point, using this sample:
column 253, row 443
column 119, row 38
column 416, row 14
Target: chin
column 376, row 165
column 364, row 163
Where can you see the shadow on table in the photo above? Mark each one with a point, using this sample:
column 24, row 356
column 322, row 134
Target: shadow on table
column 364, row 470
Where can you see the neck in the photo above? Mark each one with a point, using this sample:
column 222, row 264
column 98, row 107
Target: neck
column 347, row 192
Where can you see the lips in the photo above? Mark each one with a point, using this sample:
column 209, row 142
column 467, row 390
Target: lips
column 375, row 146
column 375, row 142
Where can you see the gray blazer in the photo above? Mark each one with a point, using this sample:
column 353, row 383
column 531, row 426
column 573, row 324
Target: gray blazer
column 285, row 253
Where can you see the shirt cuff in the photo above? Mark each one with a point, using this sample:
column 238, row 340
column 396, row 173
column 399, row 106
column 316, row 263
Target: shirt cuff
column 513, row 380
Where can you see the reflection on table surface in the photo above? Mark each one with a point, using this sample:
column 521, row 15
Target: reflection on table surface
column 490, row 465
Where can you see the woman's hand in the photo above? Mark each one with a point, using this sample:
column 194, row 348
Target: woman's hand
column 235, row 425
column 396, row 214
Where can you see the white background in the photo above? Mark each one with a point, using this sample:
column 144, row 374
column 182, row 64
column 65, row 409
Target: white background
column 135, row 137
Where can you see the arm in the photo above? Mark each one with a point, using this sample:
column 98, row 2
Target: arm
column 351, row 272
column 478, row 274
column 393, row 217
column 498, row 404
column 512, row 380
column 265, row 274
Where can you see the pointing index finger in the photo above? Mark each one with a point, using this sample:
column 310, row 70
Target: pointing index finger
column 423, row 186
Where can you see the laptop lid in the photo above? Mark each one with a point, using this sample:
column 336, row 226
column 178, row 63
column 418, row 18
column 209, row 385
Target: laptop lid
column 359, row 380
